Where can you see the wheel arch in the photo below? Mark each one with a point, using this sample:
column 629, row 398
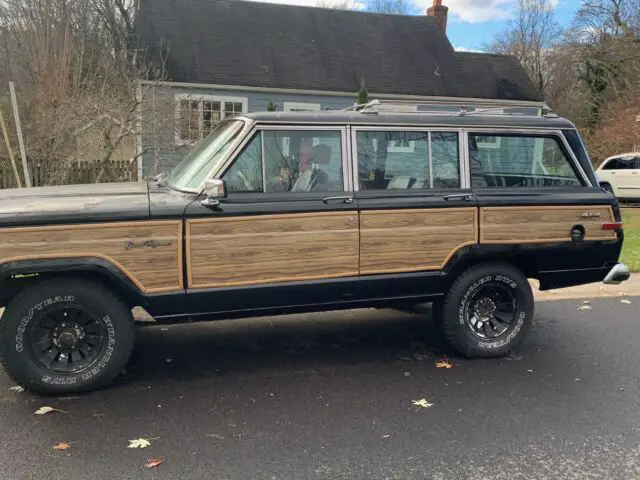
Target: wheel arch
column 18, row 274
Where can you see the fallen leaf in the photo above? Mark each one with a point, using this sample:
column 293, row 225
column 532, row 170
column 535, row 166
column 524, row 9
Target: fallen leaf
column 386, row 436
column 530, row 371
column 152, row 463
column 422, row 403
column 626, row 302
column 586, row 302
column 62, row 446
column 444, row 364
column 139, row 443
column 45, row 410
column 17, row 389
column 584, row 307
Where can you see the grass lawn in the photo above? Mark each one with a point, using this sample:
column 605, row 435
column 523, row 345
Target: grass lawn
column 631, row 248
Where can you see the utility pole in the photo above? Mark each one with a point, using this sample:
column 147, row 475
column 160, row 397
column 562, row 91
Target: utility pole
column 23, row 154
column 3, row 127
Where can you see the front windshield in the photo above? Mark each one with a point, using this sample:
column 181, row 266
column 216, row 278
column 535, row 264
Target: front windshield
column 196, row 165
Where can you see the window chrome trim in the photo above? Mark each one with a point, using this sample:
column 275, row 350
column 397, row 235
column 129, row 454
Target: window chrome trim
column 384, row 127
column 532, row 132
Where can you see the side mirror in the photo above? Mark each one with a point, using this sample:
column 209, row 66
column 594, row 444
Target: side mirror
column 214, row 190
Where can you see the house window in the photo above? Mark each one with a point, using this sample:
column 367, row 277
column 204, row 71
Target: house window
column 197, row 115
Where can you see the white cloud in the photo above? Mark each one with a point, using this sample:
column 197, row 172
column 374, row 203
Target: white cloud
column 468, row 11
column 465, row 49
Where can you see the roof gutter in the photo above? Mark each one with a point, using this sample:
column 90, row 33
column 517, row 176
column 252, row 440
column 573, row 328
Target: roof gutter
column 435, row 100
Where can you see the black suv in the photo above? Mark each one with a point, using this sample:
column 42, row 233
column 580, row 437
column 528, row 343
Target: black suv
column 289, row 212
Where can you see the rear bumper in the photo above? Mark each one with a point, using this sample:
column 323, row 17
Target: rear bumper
column 618, row 274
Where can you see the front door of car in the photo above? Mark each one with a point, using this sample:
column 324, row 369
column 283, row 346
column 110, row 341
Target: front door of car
column 287, row 232
column 416, row 210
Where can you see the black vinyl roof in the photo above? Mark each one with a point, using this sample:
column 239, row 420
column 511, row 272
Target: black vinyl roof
column 253, row 44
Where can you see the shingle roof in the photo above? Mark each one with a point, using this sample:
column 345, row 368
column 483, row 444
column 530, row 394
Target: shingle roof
column 234, row 42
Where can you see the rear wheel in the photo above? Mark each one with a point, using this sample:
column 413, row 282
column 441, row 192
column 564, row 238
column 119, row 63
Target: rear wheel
column 488, row 310
column 65, row 336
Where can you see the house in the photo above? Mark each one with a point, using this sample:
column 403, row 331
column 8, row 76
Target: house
column 224, row 57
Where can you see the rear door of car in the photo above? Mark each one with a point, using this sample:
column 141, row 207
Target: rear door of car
column 287, row 233
column 416, row 208
column 537, row 201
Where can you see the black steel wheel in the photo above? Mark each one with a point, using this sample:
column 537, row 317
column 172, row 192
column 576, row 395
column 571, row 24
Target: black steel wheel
column 491, row 310
column 65, row 336
column 488, row 310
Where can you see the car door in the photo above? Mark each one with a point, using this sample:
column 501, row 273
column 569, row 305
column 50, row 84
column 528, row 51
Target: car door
column 287, row 233
column 549, row 214
column 416, row 208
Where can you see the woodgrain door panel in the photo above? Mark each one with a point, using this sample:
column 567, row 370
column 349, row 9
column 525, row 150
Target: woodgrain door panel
column 246, row 250
column 541, row 224
column 156, row 268
column 410, row 240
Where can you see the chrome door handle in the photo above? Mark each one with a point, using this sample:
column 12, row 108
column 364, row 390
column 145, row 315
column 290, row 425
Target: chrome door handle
column 346, row 199
column 461, row 196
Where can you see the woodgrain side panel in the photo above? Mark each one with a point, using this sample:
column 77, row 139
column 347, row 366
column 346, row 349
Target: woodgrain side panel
column 542, row 224
column 414, row 240
column 271, row 248
column 156, row 269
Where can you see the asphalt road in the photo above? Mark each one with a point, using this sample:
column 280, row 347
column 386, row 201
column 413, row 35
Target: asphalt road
column 329, row 396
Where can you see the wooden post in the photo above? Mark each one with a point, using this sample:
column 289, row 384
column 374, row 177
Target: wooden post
column 23, row 154
column 3, row 126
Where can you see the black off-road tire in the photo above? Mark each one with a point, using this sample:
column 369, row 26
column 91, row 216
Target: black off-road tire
column 454, row 320
column 33, row 303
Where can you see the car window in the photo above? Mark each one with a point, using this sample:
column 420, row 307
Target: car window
column 289, row 161
column 406, row 160
column 612, row 164
column 499, row 160
column 245, row 174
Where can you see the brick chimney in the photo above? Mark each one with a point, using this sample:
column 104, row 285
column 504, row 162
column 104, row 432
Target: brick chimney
column 440, row 12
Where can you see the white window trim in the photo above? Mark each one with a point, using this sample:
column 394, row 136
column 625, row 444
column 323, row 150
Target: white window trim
column 391, row 148
column 202, row 98
column 301, row 106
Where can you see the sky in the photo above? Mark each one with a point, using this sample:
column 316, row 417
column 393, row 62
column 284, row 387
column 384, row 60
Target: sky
column 473, row 23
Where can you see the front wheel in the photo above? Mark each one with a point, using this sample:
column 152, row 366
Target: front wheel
column 488, row 310
column 65, row 336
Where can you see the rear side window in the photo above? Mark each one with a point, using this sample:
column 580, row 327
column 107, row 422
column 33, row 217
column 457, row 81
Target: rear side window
column 411, row 160
column 499, row 161
column 622, row 163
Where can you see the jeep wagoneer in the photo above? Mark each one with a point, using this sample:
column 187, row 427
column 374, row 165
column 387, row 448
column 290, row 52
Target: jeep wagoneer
column 273, row 213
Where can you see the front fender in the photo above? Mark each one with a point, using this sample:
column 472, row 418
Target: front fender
column 113, row 276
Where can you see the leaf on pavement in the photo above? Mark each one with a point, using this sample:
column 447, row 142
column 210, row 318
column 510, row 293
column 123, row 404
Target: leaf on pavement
column 422, row 403
column 626, row 302
column 586, row 302
column 17, row 389
column 139, row 443
column 584, row 307
column 45, row 410
column 152, row 463
column 62, row 446
column 444, row 364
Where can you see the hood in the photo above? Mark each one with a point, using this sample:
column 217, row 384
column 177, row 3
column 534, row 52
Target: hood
column 99, row 202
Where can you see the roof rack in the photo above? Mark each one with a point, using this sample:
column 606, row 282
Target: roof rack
column 377, row 106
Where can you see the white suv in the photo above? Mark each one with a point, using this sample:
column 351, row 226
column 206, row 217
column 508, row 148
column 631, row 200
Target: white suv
column 621, row 175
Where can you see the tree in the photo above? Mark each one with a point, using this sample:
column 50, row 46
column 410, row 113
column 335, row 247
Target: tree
column 399, row 7
column 363, row 95
column 77, row 70
column 531, row 37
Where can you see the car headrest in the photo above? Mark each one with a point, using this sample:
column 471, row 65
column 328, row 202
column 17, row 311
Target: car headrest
column 321, row 154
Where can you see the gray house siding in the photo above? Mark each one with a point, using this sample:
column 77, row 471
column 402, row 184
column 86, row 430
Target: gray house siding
column 161, row 149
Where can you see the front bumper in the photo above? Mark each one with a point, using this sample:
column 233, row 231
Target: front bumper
column 618, row 274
